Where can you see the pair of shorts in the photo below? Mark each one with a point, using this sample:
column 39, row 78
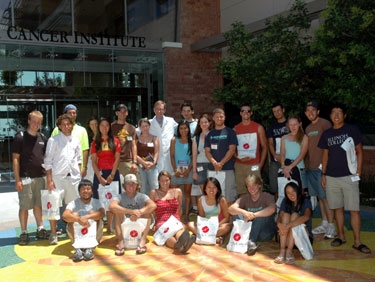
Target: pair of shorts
column 202, row 169
column 314, row 183
column 30, row 196
column 182, row 180
column 241, row 171
column 68, row 190
column 342, row 192
column 124, row 169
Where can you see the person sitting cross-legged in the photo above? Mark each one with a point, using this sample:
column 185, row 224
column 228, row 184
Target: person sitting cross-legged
column 134, row 205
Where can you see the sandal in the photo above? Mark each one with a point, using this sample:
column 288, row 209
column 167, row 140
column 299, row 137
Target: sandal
column 184, row 237
column 279, row 260
column 337, row 242
column 290, row 259
column 188, row 244
column 141, row 250
column 220, row 240
column 362, row 248
column 119, row 252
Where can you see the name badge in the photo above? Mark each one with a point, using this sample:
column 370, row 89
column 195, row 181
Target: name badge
column 213, row 146
column 199, row 168
column 150, row 144
column 129, row 138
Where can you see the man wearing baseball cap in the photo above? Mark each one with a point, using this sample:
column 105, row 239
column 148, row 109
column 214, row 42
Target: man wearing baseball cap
column 126, row 133
column 133, row 205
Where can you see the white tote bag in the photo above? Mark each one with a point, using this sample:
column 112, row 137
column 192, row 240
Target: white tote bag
column 132, row 232
column 302, row 241
column 50, row 205
column 85, row 237
column 207, row 230
column 107, row 193
column 239, row 236
column 167, row 230
column 247, row 145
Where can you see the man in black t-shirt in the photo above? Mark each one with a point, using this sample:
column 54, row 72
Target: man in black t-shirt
column 28, row 154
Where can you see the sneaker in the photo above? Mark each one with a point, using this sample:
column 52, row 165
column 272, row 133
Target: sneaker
column 78, row 255
column 251, row 248
column 52, row 239
column 320, row 229
column 331, row 232
column 24, row 239
column 88, row 254
column 42, row 234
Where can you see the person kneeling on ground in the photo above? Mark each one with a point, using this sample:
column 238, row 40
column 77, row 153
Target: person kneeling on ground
column 134, row 205
column 81, row 210
column 295, row 209
column 258, row 207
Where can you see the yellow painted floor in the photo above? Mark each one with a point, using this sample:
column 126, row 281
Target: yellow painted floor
column 39, row 261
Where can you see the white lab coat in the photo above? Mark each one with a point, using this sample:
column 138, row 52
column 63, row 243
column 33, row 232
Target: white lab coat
column 165, row 135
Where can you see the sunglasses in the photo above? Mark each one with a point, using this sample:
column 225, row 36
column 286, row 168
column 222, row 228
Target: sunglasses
column 246, row 111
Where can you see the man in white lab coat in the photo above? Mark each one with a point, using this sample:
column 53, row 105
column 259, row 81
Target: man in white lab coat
column 164, row 128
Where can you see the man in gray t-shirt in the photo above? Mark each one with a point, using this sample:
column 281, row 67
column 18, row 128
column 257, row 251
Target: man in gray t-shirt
column 133, row 205
column 81, row 210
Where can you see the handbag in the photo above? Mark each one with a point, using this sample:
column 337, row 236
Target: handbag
column 167, row 230
column 85, row 237
column 239, row 236
column 50, row 205
column 207, row 230
column 132, row 232
column 302, row 241
column 107, row 193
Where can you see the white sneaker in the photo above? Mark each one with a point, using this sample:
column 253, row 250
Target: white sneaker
column 320, row 229
column 331, row 231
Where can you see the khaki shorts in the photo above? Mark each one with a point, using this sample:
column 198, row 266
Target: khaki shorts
column 241, row 171
column 342, row 192
column 124, row 169
column 30, row 195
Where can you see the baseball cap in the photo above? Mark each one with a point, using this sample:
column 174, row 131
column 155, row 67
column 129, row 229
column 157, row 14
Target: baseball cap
column 69, row 107
column 312, row 104
column 121, row 106
column 131, row 178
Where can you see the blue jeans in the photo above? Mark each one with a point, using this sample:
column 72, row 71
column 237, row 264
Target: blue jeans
column 263, row 228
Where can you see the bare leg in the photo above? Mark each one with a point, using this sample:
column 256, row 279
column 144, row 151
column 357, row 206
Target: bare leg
column 38, row 215
column 355, row 222
column 339, row 215
column 23, row 216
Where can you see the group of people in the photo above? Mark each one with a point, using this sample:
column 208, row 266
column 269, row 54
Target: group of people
column 161, row 156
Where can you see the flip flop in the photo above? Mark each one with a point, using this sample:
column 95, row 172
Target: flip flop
column 182, row 240
column 362, row 248
column 279, row 260
column 188, row 244
column 290, row 260
column 337, row 242
column 119, row 252
column 141, row 250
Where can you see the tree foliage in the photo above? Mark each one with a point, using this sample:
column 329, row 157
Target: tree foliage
column 344, row 53
column 283, row 64
column 268, row 67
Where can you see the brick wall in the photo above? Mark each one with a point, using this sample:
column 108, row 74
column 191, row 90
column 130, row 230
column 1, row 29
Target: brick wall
column 192, row 77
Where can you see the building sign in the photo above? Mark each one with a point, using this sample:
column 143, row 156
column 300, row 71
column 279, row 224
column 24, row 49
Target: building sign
column 62, row 37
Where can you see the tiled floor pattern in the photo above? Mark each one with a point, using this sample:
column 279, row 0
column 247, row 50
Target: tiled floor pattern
column 40, row 262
